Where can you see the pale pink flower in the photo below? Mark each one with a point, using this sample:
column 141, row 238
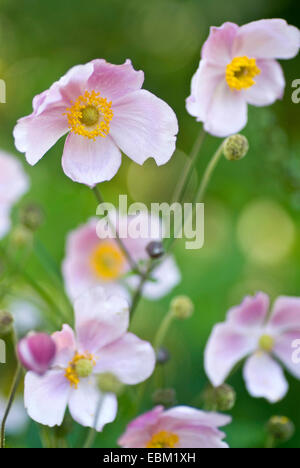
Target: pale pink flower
column 237, row 68
column 105, row 111
column 178, row 427
column 100, row 344
column 13, row 184
column 249, row 331
column 93, row 259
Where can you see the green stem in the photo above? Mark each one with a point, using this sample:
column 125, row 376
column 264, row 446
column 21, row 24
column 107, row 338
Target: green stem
column 270, row 442
column 163, row 329
column 121, row 244
column 202, row 188
column 12, row 394
column 188, row 170
column 208, row 173
column 138, row 293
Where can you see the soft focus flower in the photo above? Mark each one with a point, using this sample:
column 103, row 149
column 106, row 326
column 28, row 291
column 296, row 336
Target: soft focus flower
column 105, row 111
column 99, row 345
column 238, row 68
column 36, row 352
column 13, row 184
column 249, row 330
column 179, row 427
column 91, row 260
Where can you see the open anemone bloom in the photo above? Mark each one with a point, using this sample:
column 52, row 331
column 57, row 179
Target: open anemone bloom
column 105, row 111
column 237, row 68
column 93, row 259
column 13, row 184
column 178, row 427
column 249, row 331
column 100, row 345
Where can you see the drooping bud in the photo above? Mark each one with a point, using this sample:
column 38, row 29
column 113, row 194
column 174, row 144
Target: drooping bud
column 162, row 356
column 220, row 398
column 182, row 307
column 155, row 249
column 36, row 352
column 109, row 383
column 165, row 397
column 280, row 428
column 6, row 322
column 235, row 147
column 31, row 216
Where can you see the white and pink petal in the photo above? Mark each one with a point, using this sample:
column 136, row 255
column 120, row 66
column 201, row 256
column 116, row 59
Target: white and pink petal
column 264, row 377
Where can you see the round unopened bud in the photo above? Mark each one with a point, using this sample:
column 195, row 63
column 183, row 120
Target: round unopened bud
column 220, row 398
column 36, row 352
column 21, row 236
column 281, row 428
column 109, row 383
column 162, row 356
column 164, row 396
column 182, row 307
column 31, row 216
column 155, row 249
column 6, row 322
column 235, row 147
column 84, row 367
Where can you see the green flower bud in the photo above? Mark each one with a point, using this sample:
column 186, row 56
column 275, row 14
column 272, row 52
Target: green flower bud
column 31, row 216
column 220, row 398
column 164, row 396
column 235, row 147
column 109, row 383
column 182, row 307
column 280, row 428
column 6, row 322
column 21, row 236
column 84, row 367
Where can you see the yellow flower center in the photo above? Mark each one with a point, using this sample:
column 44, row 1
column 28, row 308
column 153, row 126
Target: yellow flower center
column 90, row 115
column 81, row 366
column 108, row 261
column 163, row 439
column 240, row 73
column 266, row 343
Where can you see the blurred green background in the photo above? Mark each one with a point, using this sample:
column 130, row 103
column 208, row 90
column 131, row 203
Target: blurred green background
column 252, row 208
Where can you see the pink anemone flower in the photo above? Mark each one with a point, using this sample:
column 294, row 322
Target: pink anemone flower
column 249, row 331
column 178, row 427
column 93, row 259
column 13, row 184
column 105, row 111
column 237, row 68
column 100, row 344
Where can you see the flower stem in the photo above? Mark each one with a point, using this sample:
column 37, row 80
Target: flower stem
column 162, row 331
column 12, row 394
column 208, row 173
column 138, row 293
column 202, row 188
column 188, row 170
column 121, row 244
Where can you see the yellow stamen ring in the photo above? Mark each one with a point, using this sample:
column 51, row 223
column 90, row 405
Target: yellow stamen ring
column 163, row 439
column 240, row 73
column 71, row 372
column 107, row 261
column 90, row 115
